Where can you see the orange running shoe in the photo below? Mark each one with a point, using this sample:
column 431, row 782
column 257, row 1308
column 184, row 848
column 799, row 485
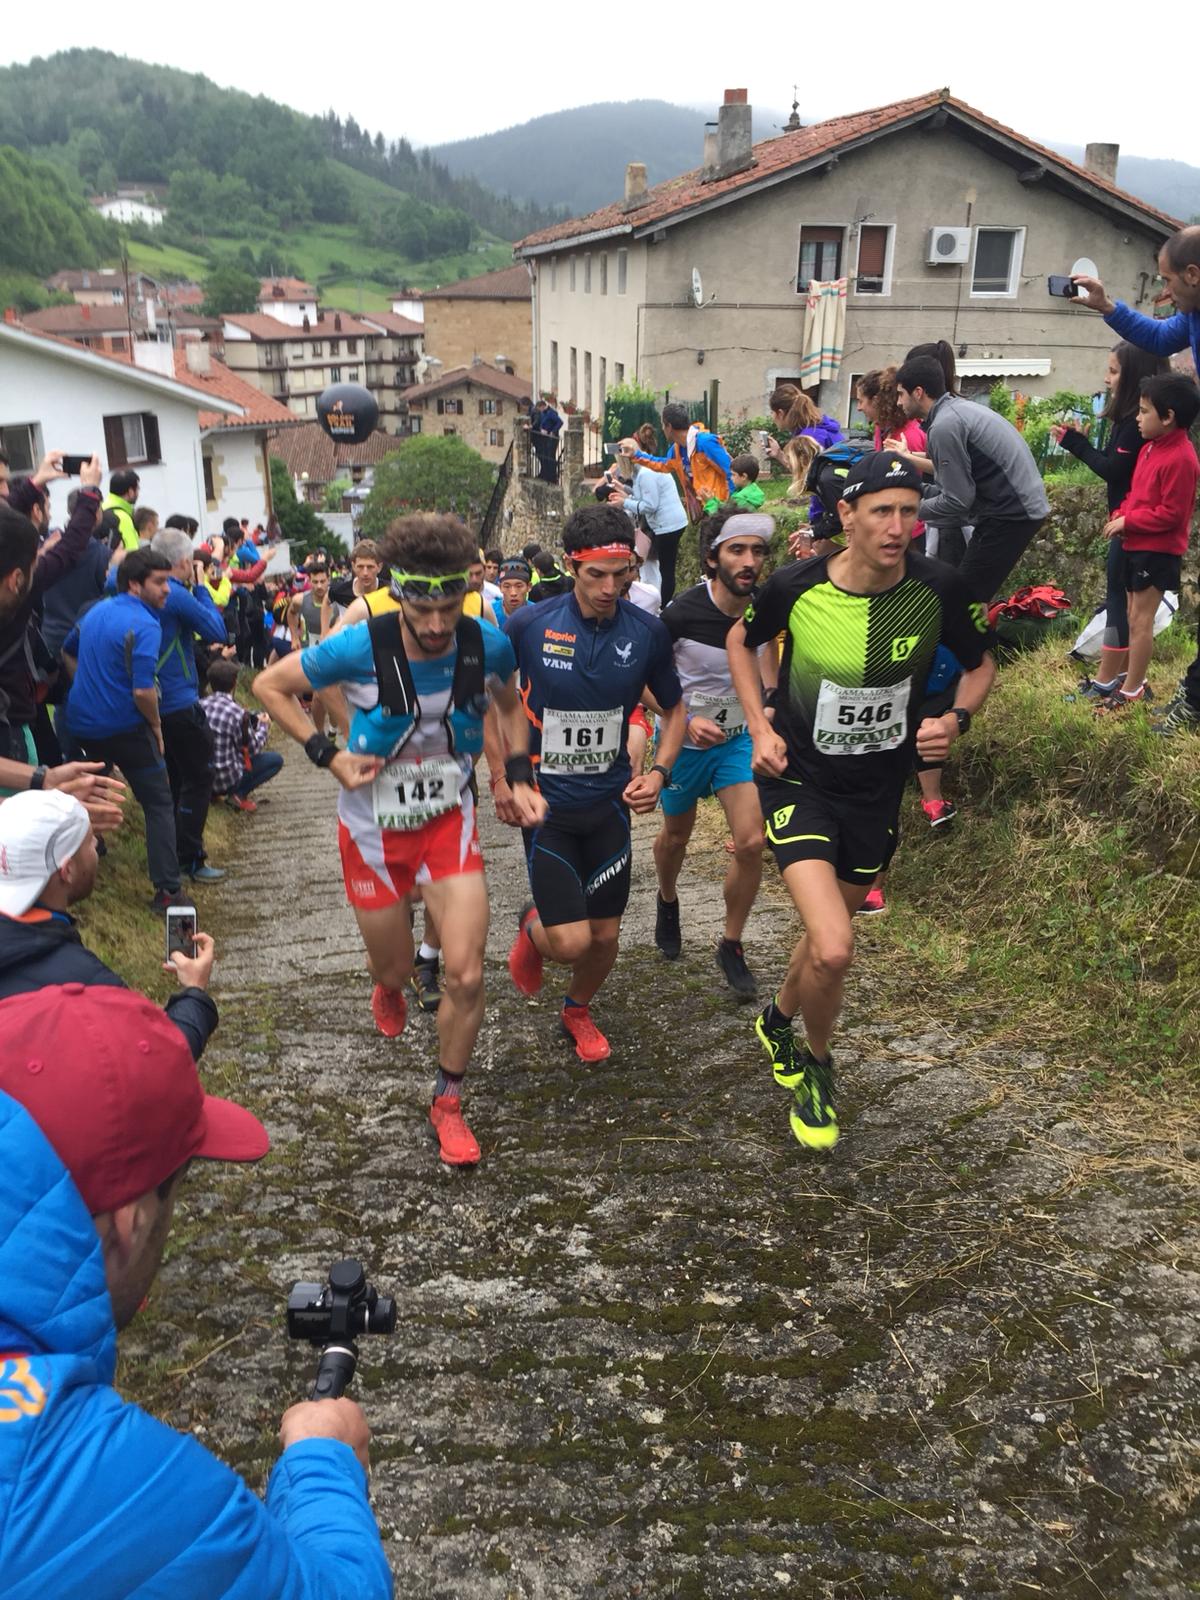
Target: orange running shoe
column 456, row 1141
column 390, row 1010
column 524, row 960
column 590, row 1043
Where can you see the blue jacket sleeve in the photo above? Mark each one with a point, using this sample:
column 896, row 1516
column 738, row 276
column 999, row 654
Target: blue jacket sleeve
column 1165, row 335
column 147, row 642
column 176, row 1521
column 195, row 607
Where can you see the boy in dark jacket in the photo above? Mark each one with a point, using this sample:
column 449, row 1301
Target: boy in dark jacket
column 48, row 863
column 1154, row 521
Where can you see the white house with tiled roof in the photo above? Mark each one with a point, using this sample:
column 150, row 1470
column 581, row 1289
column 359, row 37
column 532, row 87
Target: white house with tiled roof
column 942, row 222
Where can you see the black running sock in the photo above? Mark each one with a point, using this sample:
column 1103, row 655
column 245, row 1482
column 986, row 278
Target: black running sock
column 773, row 1017
column 448, row 1083
column 735, row 945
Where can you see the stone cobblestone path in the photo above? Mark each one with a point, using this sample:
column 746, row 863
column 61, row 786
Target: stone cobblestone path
column 651, row 1348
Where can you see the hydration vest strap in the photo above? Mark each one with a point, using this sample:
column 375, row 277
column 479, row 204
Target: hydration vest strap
column 397, row 693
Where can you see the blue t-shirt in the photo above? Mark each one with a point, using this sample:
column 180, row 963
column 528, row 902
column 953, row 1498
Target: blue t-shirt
column 571, row 663
column 119, row 645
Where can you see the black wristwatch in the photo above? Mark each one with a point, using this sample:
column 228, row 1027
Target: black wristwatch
column 964, row 719
column 320, row 750
column 666, row 772
column 37, row 779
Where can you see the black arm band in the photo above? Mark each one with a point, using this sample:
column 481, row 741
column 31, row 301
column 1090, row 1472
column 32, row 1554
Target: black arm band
column 320, row 750
column 518, row 769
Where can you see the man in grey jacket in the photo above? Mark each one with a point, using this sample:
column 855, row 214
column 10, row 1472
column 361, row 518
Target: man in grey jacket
column 984, row 474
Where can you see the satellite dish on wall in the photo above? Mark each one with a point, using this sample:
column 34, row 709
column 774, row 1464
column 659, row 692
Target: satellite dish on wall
column 697, row 288
column 1085, row 267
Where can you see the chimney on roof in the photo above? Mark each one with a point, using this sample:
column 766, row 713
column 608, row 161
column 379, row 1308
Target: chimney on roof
column 1102, row 160
column 87, row 280
column 635, row 186
column 198, row 358
column 10, row 315
column 306, row 324
column 86, row 313
column 734, row 141
column 337, row 322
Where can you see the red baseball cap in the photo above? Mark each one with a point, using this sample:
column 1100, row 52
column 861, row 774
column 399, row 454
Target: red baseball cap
column 110, row 1081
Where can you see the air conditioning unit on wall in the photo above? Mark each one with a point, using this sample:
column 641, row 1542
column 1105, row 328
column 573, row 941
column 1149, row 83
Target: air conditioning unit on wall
column 948, row 246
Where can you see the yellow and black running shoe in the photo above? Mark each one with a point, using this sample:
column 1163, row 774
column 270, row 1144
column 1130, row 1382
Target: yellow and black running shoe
column 813, row 1117
column 780, row 1044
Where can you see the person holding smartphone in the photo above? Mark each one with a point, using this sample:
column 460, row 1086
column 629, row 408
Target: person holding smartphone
column 1114, row 462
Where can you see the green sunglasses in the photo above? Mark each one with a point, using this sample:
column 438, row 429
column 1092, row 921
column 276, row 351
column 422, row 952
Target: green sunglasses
column 420, row 586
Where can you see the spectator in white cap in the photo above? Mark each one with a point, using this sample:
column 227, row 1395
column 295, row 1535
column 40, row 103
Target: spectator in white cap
column 48, row 864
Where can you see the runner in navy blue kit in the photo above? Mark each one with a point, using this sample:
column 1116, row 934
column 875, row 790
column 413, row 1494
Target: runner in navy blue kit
column 584, row 661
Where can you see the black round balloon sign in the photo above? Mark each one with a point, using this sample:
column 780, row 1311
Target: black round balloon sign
column 348, row 412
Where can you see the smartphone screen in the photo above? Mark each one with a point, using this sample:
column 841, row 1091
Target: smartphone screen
column 181, row 931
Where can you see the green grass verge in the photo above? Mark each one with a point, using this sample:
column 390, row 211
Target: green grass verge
column 116, row 921
column 1062, row 906
column 166, row 260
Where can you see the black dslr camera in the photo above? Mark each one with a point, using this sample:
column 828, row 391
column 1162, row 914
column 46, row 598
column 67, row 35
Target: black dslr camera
column 333, row 1315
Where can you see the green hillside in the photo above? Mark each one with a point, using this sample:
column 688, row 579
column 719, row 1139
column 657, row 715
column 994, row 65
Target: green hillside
column 244, row 178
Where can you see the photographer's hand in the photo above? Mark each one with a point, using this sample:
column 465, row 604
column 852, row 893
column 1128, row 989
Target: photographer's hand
column 341, row 1419
column 194, row 971
column 1093, row 296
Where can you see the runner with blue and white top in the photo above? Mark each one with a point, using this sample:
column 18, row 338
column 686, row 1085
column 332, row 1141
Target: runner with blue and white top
column 715, row 759
column 585, row 660
column 418, row 677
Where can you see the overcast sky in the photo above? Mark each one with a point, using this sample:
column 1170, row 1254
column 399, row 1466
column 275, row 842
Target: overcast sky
column 438, row 72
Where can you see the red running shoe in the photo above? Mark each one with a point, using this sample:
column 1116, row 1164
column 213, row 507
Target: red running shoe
column 939, row 812
column 457, row 1146
column 590, row 1044
column 874, row 905
column 524, row 961
column 390, row 1010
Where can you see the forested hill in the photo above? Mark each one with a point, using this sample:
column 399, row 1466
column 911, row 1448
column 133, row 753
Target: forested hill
column 232, row 159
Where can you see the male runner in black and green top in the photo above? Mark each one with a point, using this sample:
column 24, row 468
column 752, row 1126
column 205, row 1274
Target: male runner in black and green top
column 860, row 630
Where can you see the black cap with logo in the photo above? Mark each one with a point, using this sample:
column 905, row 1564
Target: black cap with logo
column 878, row 471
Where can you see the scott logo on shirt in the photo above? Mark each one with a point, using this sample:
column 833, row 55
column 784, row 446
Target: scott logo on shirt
column 903, row 648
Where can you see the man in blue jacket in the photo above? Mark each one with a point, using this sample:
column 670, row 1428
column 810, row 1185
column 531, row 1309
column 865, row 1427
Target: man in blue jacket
column 1179, row 268
column 189, row 612
column 101, row 1113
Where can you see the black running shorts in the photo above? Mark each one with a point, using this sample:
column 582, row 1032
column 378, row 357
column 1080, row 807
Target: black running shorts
column 579, row 864
column 1152, row 569
column 802, row 824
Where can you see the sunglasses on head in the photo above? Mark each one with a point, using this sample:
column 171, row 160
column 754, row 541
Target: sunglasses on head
column 420, row 586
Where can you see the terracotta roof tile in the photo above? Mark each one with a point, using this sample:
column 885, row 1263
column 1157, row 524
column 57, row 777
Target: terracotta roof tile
column 793, row 149
column 510, row 283
column 392, row 322
column 261, row 410
column 285, row 289
column 479, row 372
column 264, row 328
column 86, row 319
column 310, row 449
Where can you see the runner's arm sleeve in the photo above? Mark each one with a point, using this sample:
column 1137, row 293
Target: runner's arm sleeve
column 1148, row 333
column 345, row 657
column 767, row 614
column 661, row 678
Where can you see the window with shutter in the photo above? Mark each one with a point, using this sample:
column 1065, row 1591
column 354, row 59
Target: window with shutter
column 820, row 256
column 872, row 275
column 114, row 443
column 441, row 408
column 150, row 442
column 210, row 493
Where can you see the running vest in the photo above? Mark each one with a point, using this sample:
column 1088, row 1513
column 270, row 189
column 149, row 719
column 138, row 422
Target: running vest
column 398, row 700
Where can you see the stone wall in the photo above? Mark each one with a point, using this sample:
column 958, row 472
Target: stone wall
column 458, row 331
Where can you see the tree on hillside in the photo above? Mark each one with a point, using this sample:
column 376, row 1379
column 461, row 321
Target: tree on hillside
column 428, row 473
column 229, row 287
column 45, row 223
column 302, row 527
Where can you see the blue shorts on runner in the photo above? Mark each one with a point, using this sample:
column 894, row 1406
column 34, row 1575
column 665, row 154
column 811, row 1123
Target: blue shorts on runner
column 700, row 773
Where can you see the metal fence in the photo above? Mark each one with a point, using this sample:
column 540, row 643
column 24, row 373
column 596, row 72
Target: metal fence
column 492, row 515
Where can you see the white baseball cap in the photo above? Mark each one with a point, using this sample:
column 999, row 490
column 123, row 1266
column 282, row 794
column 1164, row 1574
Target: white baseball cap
column 40, row 831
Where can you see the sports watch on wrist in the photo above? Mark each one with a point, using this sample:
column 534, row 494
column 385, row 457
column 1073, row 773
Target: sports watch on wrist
column 964, row 719
column 666, row 772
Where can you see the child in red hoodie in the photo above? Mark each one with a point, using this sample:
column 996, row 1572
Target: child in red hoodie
column 1154, row 520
